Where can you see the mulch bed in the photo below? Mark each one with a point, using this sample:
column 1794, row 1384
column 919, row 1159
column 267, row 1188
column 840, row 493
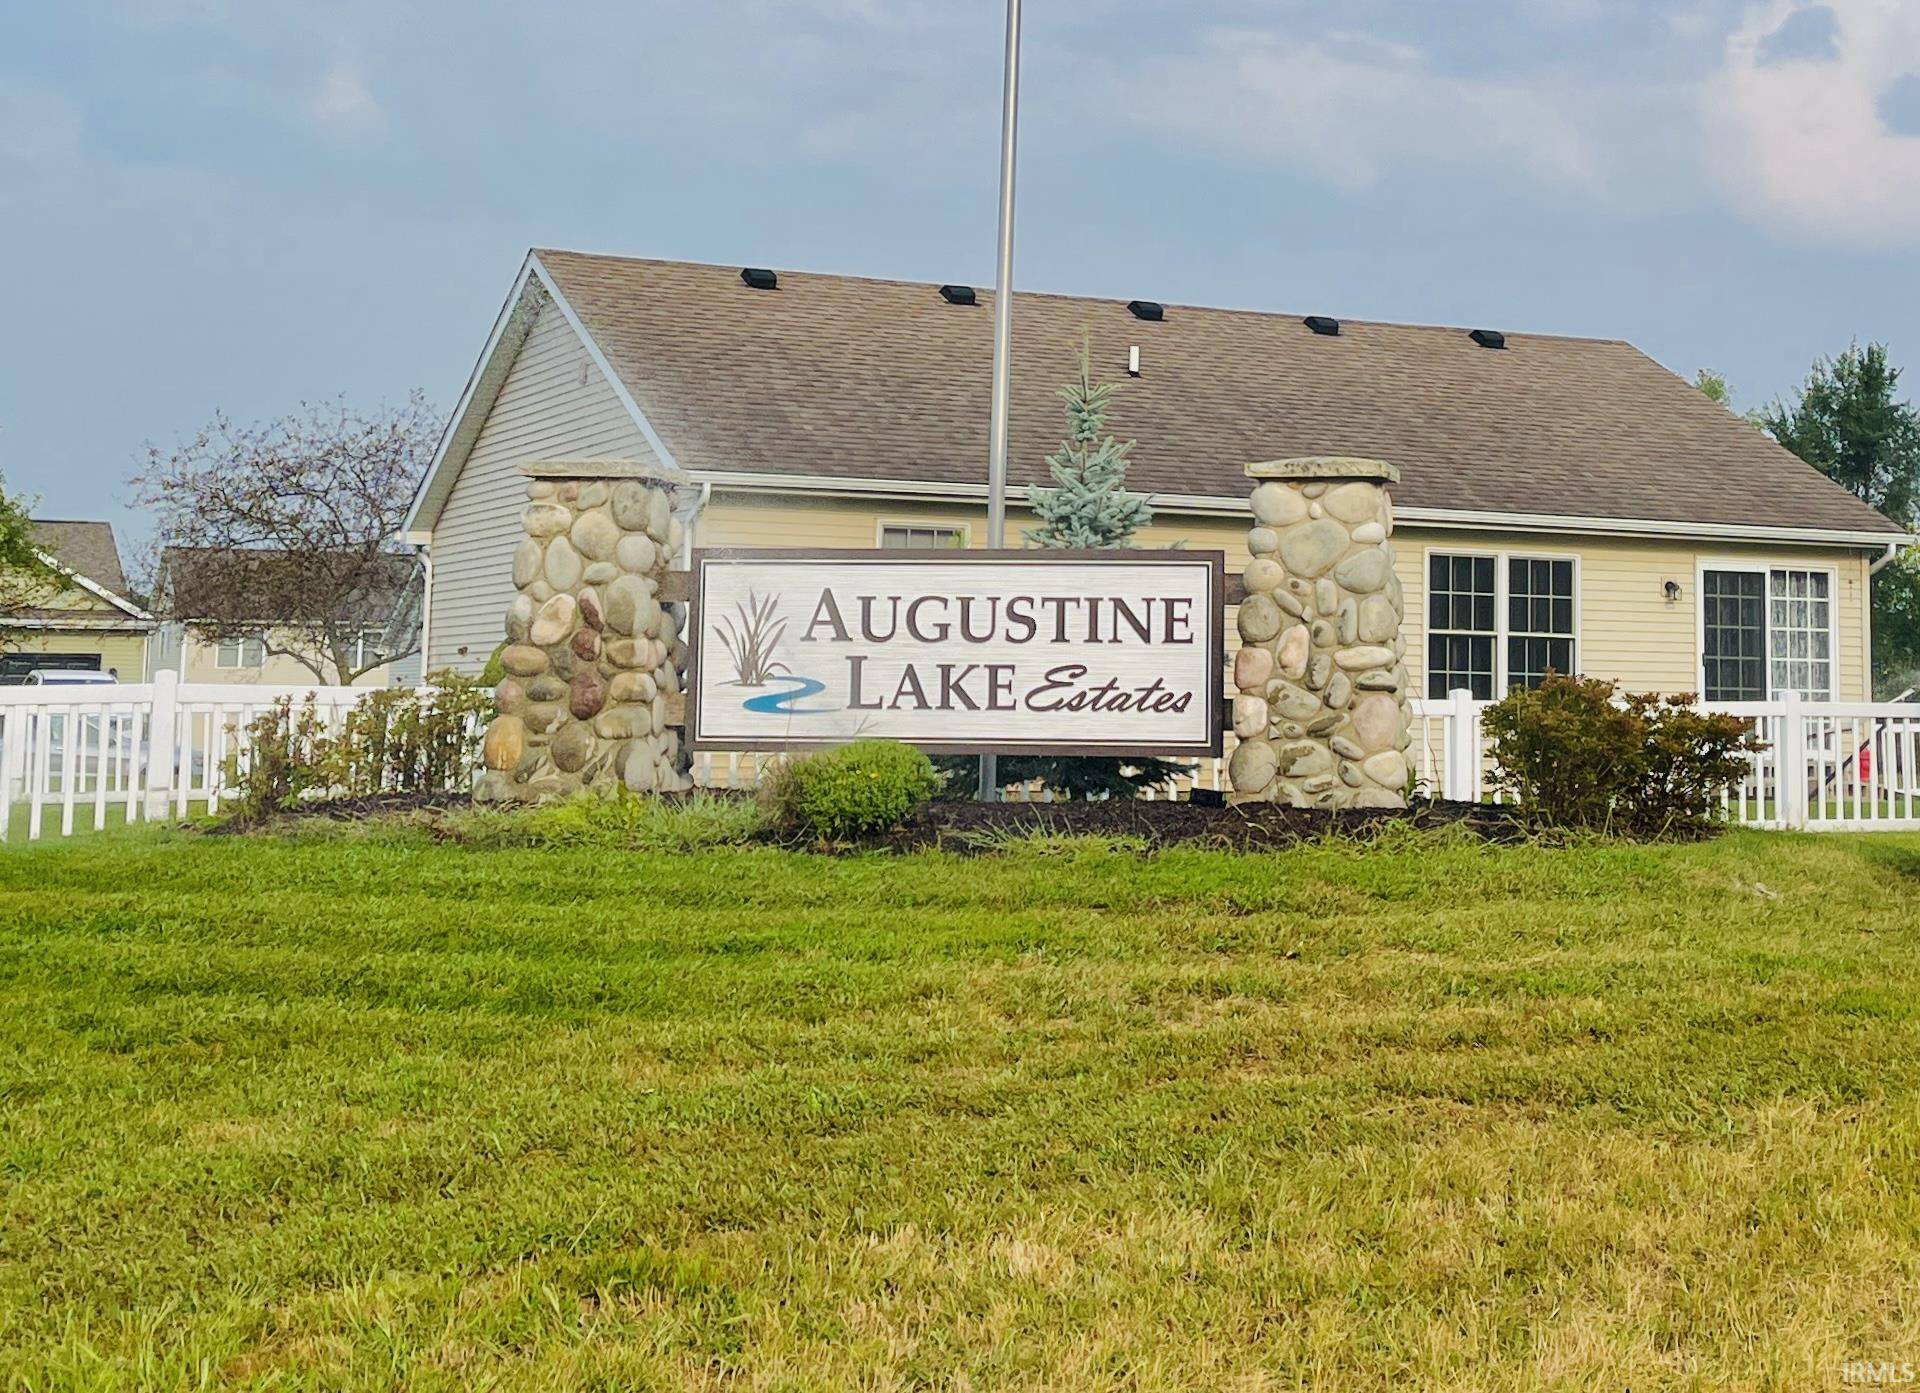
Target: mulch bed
column 958, row 826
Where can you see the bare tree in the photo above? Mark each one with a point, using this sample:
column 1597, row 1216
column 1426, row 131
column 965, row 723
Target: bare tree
column 287, row 532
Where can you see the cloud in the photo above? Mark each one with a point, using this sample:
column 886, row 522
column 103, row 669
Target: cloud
column 343, row 105
column 1799, row 131
column 1353, row 110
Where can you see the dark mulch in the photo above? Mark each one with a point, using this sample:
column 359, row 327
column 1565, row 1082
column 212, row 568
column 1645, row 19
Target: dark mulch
column 959, row 826
column 349, row 810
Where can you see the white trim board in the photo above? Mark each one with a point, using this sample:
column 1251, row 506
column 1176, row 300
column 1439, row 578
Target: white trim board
column 510, row 329
column 753, row 481
column 92, row 587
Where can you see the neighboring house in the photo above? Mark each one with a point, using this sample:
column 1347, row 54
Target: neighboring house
column 87, row 620
column 1563, row 503
column 189, row 572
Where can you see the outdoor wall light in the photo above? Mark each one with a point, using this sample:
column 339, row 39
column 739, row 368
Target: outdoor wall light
column 1672, row 589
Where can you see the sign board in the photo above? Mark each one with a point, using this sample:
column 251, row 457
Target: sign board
column 958, row 652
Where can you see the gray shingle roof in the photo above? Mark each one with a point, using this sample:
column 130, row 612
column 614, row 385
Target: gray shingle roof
column 840, row 377
column 86, row 548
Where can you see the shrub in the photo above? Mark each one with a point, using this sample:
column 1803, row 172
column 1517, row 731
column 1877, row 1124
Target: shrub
column 395, row 740
column 282, row 759
column 403, row 740
column 1575, row 753
column 868, row 786
column 614, row 818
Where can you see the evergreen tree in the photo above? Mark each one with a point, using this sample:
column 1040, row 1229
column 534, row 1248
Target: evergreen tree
column 1089, row 505
column 1849, row 422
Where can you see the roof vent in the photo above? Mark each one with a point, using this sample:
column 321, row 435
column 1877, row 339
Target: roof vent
column 1323, row 324
column 958, row 295
column 1147, row 309
column 1489, row 338
column 759, row 278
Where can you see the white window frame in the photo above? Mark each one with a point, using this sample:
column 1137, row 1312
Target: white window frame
column 366, row 643
column 1764, row 568
column 1501, row 588
column 240, row 663
column 880, row 526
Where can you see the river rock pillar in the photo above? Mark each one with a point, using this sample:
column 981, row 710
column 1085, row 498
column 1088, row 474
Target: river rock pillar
column 1321, row 716
column 592, row 655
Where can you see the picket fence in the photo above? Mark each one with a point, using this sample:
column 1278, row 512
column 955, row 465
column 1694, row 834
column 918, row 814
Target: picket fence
column 1859, row 763
column 107, row 752
column 82, row 757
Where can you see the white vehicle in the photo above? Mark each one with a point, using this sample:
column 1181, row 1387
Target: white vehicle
column 68, row 677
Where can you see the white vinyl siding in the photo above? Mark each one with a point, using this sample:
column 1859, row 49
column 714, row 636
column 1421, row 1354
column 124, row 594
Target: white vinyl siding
column 555, row 403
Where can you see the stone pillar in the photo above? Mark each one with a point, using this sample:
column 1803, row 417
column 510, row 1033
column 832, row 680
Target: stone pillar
column 1322, row 714
column 592, row 654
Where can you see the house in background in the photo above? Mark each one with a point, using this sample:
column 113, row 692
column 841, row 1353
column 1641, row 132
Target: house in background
column 87, row 622
column 1564, row 503
column 390, row 624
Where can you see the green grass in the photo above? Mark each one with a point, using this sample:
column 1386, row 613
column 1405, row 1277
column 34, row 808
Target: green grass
column 367, row 1110
column 21, row 814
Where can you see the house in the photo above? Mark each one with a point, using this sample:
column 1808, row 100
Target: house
column 88, row 621
column 205, row 582
column 1564, row 503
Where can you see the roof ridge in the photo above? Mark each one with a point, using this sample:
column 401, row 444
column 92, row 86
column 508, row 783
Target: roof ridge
column 1067, row 297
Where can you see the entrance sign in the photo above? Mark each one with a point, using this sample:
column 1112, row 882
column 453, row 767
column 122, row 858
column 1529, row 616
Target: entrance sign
column 1062, row 652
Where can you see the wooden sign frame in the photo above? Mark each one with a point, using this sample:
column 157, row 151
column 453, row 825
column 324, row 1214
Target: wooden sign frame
column 1210, row 624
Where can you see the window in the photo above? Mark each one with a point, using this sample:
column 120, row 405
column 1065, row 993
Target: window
column 365, row 649
column 240, row 652
column 904, row 537
column 1461, row 609
column 1766, row 633
column 1495, row 623
column 1800, row 632
column 1734, row 660
column 1539, row 619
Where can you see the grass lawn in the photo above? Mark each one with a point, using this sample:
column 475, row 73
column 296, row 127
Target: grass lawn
column 376, row 1112
column 20, row 817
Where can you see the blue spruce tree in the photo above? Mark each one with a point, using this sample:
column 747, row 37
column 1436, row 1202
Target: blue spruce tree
column 1089, row 505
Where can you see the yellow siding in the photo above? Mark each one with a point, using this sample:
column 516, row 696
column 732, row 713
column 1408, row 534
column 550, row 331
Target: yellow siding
column 200, row 664
column 1627, row 629
column 125, row 654
column 554, row 404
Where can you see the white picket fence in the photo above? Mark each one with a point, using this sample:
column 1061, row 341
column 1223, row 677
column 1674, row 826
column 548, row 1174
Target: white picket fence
column 96, row 753
column 81, row 757
column 1858, row 763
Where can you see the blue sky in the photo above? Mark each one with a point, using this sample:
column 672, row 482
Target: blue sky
column 241, row 204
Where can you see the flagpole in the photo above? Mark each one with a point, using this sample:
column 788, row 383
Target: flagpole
column 1002, row 334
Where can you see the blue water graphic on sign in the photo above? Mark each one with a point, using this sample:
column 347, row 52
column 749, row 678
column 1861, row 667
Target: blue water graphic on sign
column 781, row 703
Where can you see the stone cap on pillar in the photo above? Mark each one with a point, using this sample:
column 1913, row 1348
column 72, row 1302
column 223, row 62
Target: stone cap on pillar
column 649, row 470
column 1324, row 468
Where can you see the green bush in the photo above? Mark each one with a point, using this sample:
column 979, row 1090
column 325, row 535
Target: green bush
column 1575, row 753
column 866, row 787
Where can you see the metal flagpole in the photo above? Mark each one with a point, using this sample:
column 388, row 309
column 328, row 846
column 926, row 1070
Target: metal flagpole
column 1002, row 334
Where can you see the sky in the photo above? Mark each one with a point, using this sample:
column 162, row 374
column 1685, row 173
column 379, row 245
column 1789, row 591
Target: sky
column 244, row 205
